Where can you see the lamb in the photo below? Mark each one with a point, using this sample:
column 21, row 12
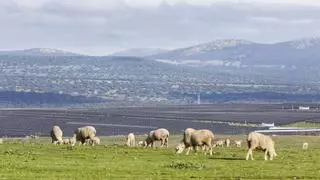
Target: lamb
column 305, row 146
column 227, row 142
column 142, row 143
column 158, row 135
column 83, row 133
column 219, row 143
column 238, row 143
column 56, row 135
column 131, row 140
column 260, row 141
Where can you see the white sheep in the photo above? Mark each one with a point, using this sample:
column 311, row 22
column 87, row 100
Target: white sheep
column 305, row 145
column 260, row 141
column 219, row 143
column 56, row 135
column 227, row 142
column 66, row 141
column 142, row 143
column 94, row 140
column 186, row 141
column 73, row 141
column 131, row 140
column 83, row 133
column 238, row 143
column 202, row 138
column 158, row 135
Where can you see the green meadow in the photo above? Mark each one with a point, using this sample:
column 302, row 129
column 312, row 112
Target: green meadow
column 39, row 159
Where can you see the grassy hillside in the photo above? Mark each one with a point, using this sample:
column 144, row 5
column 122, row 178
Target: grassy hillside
column 41, row 160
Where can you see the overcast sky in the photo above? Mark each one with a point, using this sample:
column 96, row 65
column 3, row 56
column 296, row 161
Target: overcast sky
column 99, row 27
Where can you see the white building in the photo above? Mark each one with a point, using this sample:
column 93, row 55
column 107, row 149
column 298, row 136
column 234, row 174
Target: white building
column 267, row 125
column 304, row 108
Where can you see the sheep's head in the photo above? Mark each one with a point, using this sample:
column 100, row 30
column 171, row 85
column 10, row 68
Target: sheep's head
column 179, row 148
column 60, row 141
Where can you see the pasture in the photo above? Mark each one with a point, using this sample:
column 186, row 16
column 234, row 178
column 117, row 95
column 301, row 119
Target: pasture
column 38, row 159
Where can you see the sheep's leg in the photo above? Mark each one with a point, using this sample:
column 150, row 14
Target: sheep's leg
column 266, row 155
column 271, row 156
column 249, row 154
column 195, row 149
column 210, row 149
column 167, row 142
column 188, row 149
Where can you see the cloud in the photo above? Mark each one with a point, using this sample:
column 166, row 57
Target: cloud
column 100, row 27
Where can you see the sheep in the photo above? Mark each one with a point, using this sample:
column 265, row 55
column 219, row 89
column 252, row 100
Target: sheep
column 158, row 135
column 56, row 135
column 73, row 141
column 94, row 140
column 83, row 133
column 202, row 138
column 142, row 143
column 67, row 141
column 186, row 141
column 305, row 145
column 238, row 143
column 131, row 140
column 260, row 141
column 1, row 141
column 219, row 143
column 227, row 142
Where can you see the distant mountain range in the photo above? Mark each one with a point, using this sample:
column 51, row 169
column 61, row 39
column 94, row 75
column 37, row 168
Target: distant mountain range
column 139, row 52
column 235, row 53
column 242, row 53
column 39, row 52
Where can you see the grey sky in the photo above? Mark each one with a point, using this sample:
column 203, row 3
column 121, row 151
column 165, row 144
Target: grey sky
column 99, row 27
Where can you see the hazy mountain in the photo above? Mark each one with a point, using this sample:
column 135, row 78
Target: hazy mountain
column 241, row 53
column 39, row 52
column 139, row 52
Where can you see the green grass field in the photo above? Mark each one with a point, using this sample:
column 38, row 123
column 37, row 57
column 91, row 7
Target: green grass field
column 303, row 124
column 41, row 160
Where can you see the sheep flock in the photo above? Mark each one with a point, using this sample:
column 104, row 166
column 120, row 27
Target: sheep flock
column 192, row 139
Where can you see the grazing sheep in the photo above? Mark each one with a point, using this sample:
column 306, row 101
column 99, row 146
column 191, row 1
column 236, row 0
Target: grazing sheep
column 260, row 141
column 202, row 138
column 73, row 141
column 142, row 143
column 131, row 140
column 186, row 141
column 56, row 135
column 158, row 135
column 219, row 143
column 94, row 140
column 187, row 144
column 305, row 145
column 238, row 143
column 83, row 133
column 66, row 141
column 227, row 142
